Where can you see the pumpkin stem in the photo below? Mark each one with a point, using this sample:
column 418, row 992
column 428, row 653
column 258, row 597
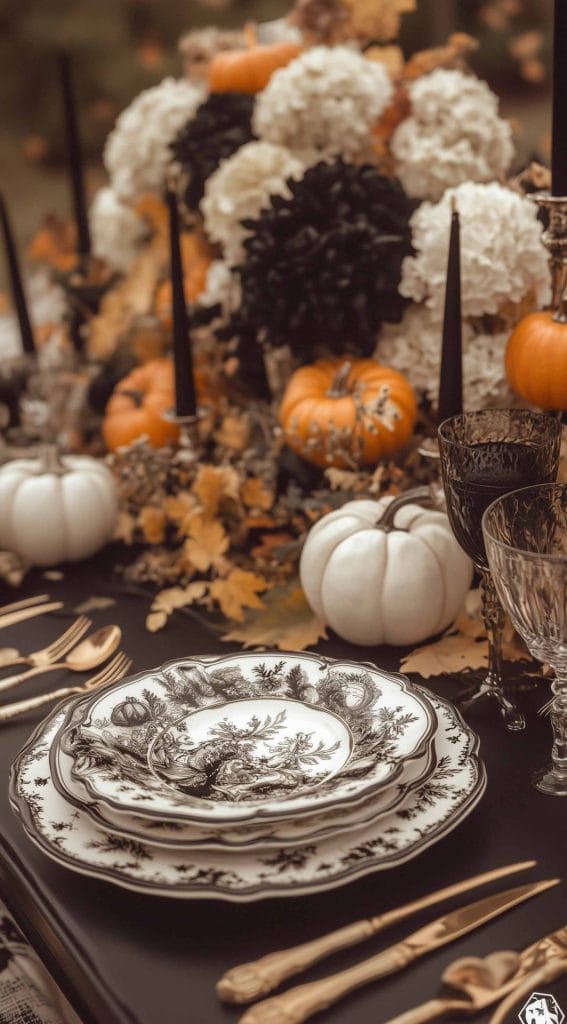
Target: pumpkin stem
column 339, row 385
column 50, row 462
column 136, row 396
column 417, row 494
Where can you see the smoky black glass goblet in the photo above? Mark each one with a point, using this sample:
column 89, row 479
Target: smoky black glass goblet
column 484, row 455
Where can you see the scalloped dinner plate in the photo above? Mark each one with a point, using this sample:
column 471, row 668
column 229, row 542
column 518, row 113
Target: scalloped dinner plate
column 245, row 738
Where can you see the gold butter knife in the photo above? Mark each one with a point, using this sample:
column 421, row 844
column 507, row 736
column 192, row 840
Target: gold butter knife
column 25, row 602
column 247, row 982
column 301, row 1002
column 29, row 613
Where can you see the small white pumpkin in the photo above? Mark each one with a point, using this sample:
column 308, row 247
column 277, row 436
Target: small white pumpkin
column 385, row 572
column 56, row 509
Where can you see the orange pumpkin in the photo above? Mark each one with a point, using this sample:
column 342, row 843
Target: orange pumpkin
column 137, row 405
column 347, row 413
column 536, row 360
column 249, row 70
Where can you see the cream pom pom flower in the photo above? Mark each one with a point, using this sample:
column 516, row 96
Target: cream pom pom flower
column 414, row 348
column 454, row 134
column 503, row 260
column 241, row 187
column 222, row 288
column 323, row 104
column 117, row 230
column 137, row 154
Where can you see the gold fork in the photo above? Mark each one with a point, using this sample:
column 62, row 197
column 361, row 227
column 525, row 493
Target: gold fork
column 53, row 651
column 115, row 670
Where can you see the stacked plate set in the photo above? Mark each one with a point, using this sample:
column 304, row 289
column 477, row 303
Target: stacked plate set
column 246, row 776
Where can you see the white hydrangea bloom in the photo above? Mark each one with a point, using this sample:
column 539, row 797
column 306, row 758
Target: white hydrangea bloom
column 47, row 304
column 414, row 348
column 137, row 154
column 323, row 104
column 117, row 230
column 502, row 256
column 454, row 134
column 241, row 187
column 221, row 287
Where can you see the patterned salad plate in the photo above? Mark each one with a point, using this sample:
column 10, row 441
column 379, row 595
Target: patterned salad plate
column 69, row 834
column 283, row 832
column 247, row 738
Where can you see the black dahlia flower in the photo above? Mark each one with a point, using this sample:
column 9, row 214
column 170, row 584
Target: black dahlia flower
column 220, row 126
column 322, row 268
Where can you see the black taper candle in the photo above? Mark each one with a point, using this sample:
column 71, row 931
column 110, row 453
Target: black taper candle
column 451, row 377
column 18, row 293
column 185, row 396
column 559, row 126
column 74, row 155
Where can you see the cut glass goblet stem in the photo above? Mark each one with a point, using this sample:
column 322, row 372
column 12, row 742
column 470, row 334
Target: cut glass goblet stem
column 494, row 619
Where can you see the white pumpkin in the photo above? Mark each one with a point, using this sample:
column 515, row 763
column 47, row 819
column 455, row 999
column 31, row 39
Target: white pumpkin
column 55, row 509
column 384, row 577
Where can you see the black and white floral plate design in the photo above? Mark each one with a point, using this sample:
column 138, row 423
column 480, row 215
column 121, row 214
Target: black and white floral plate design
column 71, row 837
column 248, row 836
column 146, row 746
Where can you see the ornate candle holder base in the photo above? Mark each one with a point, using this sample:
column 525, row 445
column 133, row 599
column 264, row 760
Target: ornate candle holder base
column 189, row 443
column 555, row 240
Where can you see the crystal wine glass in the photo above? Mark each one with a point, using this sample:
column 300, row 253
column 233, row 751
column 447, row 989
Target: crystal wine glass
column 484, row 455
column 526, row 542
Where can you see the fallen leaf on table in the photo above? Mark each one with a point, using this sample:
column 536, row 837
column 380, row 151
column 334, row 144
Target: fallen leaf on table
column 234, row 433
column 286, row 622
column 237, row 591
column 94, row 604
column 12, row 568
column 212, row 484
column 207, row 544
column 448, row 656
column 153, row 522
column 168, row 600
column 270, row 542
column 53, row 574
column 256, row 495
column 125, row 528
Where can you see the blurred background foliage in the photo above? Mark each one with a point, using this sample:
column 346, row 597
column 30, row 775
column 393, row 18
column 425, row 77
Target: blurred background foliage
column 119, row 47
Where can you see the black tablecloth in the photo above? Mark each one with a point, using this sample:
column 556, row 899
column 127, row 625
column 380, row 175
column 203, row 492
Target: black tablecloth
column 122, row 957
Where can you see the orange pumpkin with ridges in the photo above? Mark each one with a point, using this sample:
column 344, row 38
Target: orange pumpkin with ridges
column 137, row 405
column 249, row 70
column 347, row 413
column 536, row 360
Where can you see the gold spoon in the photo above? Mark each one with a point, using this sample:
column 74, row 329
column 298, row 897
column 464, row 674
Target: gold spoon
column 89, row 654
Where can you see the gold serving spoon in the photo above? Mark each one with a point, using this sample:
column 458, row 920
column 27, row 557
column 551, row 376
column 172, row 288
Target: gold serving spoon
column 89, row 653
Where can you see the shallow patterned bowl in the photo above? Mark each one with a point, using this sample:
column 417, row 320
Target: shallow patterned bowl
column 247, row 737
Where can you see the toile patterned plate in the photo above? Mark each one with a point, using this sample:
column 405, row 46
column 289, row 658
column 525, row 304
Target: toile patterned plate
column 69, row 835
column 207, row 770
column 262, row 835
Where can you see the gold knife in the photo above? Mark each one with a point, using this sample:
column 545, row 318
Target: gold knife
column 247, row 982
column 301, row 1002
column 26, row 602
column 29, row 613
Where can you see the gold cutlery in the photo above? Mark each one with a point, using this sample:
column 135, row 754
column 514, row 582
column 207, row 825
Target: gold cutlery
column 479, row 983
column 549, row 972
column 23, row 614
column 301, row 1002
column 249, row 981
column 111, row 673
column 89, row 653
column 26, row 602
column 56, row 649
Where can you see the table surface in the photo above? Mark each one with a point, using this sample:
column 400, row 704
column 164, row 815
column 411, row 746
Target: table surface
column 126, row 958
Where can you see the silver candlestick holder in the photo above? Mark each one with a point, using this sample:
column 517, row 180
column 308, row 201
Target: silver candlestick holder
column 555, row 240
column 189, row 443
